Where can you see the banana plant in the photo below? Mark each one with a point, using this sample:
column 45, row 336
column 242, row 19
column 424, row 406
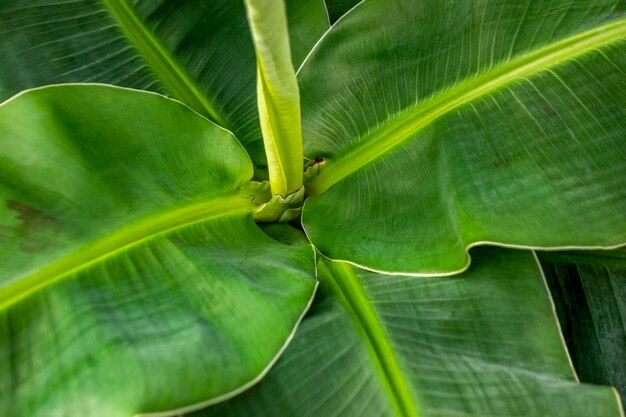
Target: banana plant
column 227, row 208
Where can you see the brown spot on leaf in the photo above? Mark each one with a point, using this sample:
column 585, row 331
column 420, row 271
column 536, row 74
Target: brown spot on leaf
column 34, row 232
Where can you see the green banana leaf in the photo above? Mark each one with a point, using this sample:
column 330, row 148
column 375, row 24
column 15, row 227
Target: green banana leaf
column 589, row 290
column 485, row 343
column 133, row 280
column 132, row 276
column 437, row 126
column 199, row 52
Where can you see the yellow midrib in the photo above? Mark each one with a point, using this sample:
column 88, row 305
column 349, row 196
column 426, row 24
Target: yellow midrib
column 122, row 240
column 404, row 126
column 350, row 291
column 170, row 74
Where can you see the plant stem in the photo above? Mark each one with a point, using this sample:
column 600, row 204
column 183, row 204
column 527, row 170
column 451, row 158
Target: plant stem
column 278, row 97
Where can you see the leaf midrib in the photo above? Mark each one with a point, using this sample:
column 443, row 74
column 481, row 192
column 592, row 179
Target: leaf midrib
column 389, row 136
column 353, row 296
column 122, row 240
column 174, row 78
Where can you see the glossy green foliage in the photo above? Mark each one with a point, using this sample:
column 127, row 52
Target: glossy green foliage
column 197, row 51
column 133, row 278
column 589, row 290
column 448, row 125
column 481, row 344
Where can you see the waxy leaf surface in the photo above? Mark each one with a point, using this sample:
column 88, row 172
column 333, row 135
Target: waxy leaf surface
column 444, row 125
column 132, row 277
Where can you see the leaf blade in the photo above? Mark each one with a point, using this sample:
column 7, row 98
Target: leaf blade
column 379, row 143
column 532, row 163
column 121, row 241
column 132, row 276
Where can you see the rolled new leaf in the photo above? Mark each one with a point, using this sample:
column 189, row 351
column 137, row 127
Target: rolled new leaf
column 278, row 98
